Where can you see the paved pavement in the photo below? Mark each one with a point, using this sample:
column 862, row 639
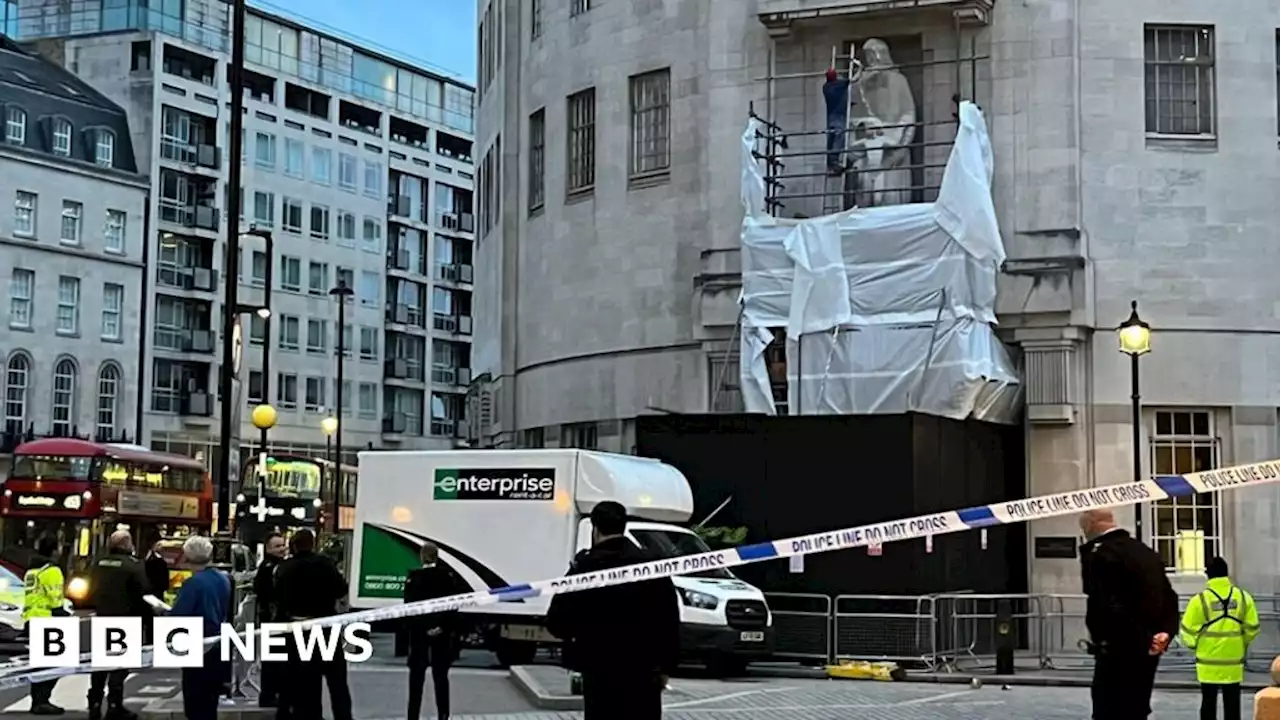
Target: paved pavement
column 72, row 694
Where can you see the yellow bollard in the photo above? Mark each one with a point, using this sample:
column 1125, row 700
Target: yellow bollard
column 1266, row 704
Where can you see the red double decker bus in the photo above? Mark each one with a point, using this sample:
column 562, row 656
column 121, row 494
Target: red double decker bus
column 81, row 491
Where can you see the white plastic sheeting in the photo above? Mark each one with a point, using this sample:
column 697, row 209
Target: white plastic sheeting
column 886, row 310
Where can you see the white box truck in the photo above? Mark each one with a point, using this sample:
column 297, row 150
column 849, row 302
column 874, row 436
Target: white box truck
column 506, row 517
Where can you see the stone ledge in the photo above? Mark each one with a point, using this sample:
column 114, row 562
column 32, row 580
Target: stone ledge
column 171, row 709
column 538, row 693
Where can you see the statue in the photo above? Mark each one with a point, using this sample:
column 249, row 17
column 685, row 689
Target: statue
column 883, row 126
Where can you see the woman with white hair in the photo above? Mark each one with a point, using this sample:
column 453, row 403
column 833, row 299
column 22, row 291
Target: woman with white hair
column 207, row 595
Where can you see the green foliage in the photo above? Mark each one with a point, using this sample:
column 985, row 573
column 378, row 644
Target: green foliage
column 722, row 537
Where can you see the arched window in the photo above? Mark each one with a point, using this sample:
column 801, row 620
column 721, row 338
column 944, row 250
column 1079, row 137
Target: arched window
column 108, row 399
column 64, row 396
column 17, row 376
column 105, row 152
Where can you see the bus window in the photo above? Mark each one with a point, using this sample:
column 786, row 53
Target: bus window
column 52, row 467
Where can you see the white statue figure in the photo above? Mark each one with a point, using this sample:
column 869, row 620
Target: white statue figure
column 883, row 125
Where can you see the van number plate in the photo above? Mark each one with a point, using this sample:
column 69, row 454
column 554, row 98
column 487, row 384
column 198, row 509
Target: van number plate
column 752, row 636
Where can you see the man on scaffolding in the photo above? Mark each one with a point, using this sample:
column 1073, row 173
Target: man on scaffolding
column 835, row 91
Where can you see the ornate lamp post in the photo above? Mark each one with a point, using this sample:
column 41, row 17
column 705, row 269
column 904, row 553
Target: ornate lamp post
column 330, row 426
column 1135, row 341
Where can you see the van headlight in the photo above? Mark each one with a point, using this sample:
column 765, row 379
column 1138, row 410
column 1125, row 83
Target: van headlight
column 8, row 607
column 78, row 589
column 699, row 600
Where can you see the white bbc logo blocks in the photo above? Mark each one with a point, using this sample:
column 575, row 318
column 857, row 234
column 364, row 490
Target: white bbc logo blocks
column 115, row 642
column 55, row 642
column 179, row 642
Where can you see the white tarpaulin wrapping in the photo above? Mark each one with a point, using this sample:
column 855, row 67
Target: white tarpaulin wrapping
column 886, row 310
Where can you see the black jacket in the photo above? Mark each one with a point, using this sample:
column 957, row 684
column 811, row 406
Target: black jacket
column 627, row 628
column 429, row 583
column 264, row 589
column 117, row 585
column 157, row 571
column 308, row 586
column 1130, row 599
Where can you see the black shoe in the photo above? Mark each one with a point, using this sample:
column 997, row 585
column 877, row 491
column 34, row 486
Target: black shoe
column 120, row 713
column 46, row 708
column 95, row 712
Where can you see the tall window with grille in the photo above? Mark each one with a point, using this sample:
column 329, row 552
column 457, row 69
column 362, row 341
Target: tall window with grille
column 578, row 7
column 1186, row 531
column 582, row 141
column 537, row 159
column 535, row 19
column 1180, row 80
column 651, row 123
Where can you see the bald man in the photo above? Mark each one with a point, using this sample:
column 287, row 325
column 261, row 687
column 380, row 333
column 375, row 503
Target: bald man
column 1131, row 614
column 117, row 586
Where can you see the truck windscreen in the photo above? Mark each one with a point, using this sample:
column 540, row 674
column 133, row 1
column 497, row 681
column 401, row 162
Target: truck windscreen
column 667, row 544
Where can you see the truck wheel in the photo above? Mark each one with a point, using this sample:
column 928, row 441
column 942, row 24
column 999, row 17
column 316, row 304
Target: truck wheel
column 513, row 652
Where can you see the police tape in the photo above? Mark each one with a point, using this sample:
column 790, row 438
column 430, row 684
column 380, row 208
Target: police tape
column 921, row 526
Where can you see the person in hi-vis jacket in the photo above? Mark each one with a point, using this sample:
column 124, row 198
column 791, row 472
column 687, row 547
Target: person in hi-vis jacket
column 1219, row 625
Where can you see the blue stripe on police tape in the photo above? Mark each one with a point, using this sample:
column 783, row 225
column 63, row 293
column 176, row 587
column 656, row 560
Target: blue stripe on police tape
column 512, row 593
column 1175, row 485
column 757, row 551
column 978, row 517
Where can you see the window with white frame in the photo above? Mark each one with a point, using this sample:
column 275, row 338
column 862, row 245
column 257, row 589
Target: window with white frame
column 321, row 165
column 254, row 396
column 257, row 330
column 290, row 273
column 113, row 228
column 22, row 289
column 373, row 179
column 369, row 343
column 346, row 398
column 24, row 214
column 582, row 141
column 1186, row 531
column 294, row 153
column 17, row 380
column 68, row 305
column 264, row 209
column 289, row 327
column 15, row 126
column 62, row 137
column 104, row 152
column 650, row 123
column 292, row 215
column 1181, row 83
column 347, row 171
column 370, row 288
column 316, row 340
column 258, row 268
column 264, row 155
column 346, row 229
column 318, row 278
column 112, row 310
column 64, row 396
column 319, row 222
column 372, row 234
column 368, row 400
column 71, row 212
column 314, row 397
column 108, row 399
column 287, row 391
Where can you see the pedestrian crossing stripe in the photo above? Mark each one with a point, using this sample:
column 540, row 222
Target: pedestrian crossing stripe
column 918, row 527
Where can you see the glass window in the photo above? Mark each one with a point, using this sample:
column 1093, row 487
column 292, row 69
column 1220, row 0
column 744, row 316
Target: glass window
column 105, row 151
column 15, row 127
column 347, row 171
column 68, row 305
column 321, row 165
column 24, row 214
column 62, row 137
column 293, row 157
column 113, row 231
column 112, row 310
column 373, row 178
column 21, row 289
column 71, row 212
column 108, row 399
column 64, row 396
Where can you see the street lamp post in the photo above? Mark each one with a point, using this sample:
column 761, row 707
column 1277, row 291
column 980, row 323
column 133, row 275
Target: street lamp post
column 330, row 426
column 1135, row 341
column 266, row 326
column 264, row 418
column 230, row 301
column 341, row 292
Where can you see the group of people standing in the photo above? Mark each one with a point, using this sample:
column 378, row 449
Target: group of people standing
column 295, row 583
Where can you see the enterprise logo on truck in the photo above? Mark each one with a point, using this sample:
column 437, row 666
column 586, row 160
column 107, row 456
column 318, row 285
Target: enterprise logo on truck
column 495, row 484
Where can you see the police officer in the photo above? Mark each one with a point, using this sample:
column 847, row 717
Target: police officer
column 43, row 597
column 118, row 587
column 1131, row 614
column 264, row 593
column 309, row 586
column 1219, row 625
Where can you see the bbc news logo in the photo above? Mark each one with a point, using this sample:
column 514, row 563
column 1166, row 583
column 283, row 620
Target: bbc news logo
column 495, row 484
column 179, row 642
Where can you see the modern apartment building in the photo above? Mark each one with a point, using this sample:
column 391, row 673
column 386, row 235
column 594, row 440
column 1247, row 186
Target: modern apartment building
column 357, row 164
column 72, row 257
column 1134, row 159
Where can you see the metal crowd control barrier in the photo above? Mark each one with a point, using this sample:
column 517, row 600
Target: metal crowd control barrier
column 958, row 631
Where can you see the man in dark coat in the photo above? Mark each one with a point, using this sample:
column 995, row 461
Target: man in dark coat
column 309, row 586
column 264, row 594
column 118, row 587
column 432, row 638
column 1131, row 614
column 157, row 568
column 624, row 639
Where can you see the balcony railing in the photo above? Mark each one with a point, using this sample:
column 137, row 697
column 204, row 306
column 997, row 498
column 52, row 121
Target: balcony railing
column 199, row 155
column 453, row 324
column 203, row 217
column 455, row 272
column 187, row 278
column 196, row 404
